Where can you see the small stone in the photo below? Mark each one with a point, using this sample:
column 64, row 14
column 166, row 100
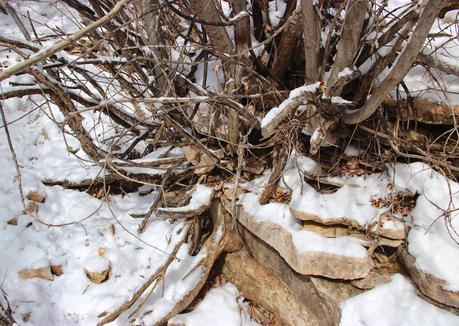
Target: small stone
column 43, row 273
column 36, row 197
column 97, row 269
column 57, row 270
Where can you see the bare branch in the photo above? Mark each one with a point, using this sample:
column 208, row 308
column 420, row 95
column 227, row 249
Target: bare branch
column 402, row 65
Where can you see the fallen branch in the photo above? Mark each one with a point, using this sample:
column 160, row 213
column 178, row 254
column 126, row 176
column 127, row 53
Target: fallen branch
column 200, row 201
column 158, row 274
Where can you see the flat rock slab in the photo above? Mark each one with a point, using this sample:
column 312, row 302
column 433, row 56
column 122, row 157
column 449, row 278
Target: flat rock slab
column 308, row 253
column 429, row 285
column 354, row 204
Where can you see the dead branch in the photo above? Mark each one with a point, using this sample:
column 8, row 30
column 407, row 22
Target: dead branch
column 402, row 66
column 158, row 274
column 46, row 53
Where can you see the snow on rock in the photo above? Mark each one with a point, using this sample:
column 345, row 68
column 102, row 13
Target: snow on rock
column 394, row 303
column 433, row 239
column 352, row 204
column 97, row 268
column 435, row 220
column 305, row 251
column 220, row 307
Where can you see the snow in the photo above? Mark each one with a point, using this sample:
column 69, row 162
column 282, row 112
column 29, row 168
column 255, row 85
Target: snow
column 437, row 203
column 72, row 228
column 352, row 200
column 393, row 304
column 277, row 213
column 201, row 196
column 432, row 85
column 220, row 307
column 345, row 72
column 294, row 95
column 79, row 231
column 97, row 264
column 276, row 11
column 351, row 150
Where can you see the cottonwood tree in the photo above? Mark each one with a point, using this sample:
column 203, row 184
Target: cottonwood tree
column 239, row 85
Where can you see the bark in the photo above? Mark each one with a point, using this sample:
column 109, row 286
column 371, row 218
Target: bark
column 219, row 38
column 349, row 42
column 402, row 66
column 311, row 32
column 382, row 63
column 290, row 38
column 73, row 119
column 241, row 27
column 151, row 12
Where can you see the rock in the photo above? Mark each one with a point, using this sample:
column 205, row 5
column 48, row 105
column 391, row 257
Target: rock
column 97, row 269
column 36, row 197
column 263, row 287
column 57, row 270
column 364, row 211
column 311, row 262
column 376, row 277
column 301, row 286
column 43, row 273
column 429, row 285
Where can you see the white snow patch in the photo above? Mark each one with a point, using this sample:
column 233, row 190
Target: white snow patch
column 394, row 303
column 97, row 264
column 276, row 11
column 220, row 307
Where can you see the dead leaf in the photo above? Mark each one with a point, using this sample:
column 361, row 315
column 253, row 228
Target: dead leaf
column 31, row 208
column 101, row 251
column 112, row 229
column 13, row 221
column 44, row 134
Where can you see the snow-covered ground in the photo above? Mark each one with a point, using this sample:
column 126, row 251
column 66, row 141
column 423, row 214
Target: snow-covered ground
column 78, row 232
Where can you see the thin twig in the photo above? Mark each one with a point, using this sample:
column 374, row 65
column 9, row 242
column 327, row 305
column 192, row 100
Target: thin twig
column 13, row 154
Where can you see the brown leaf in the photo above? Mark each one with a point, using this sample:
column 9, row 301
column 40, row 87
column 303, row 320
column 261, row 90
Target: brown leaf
column 31, row 208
